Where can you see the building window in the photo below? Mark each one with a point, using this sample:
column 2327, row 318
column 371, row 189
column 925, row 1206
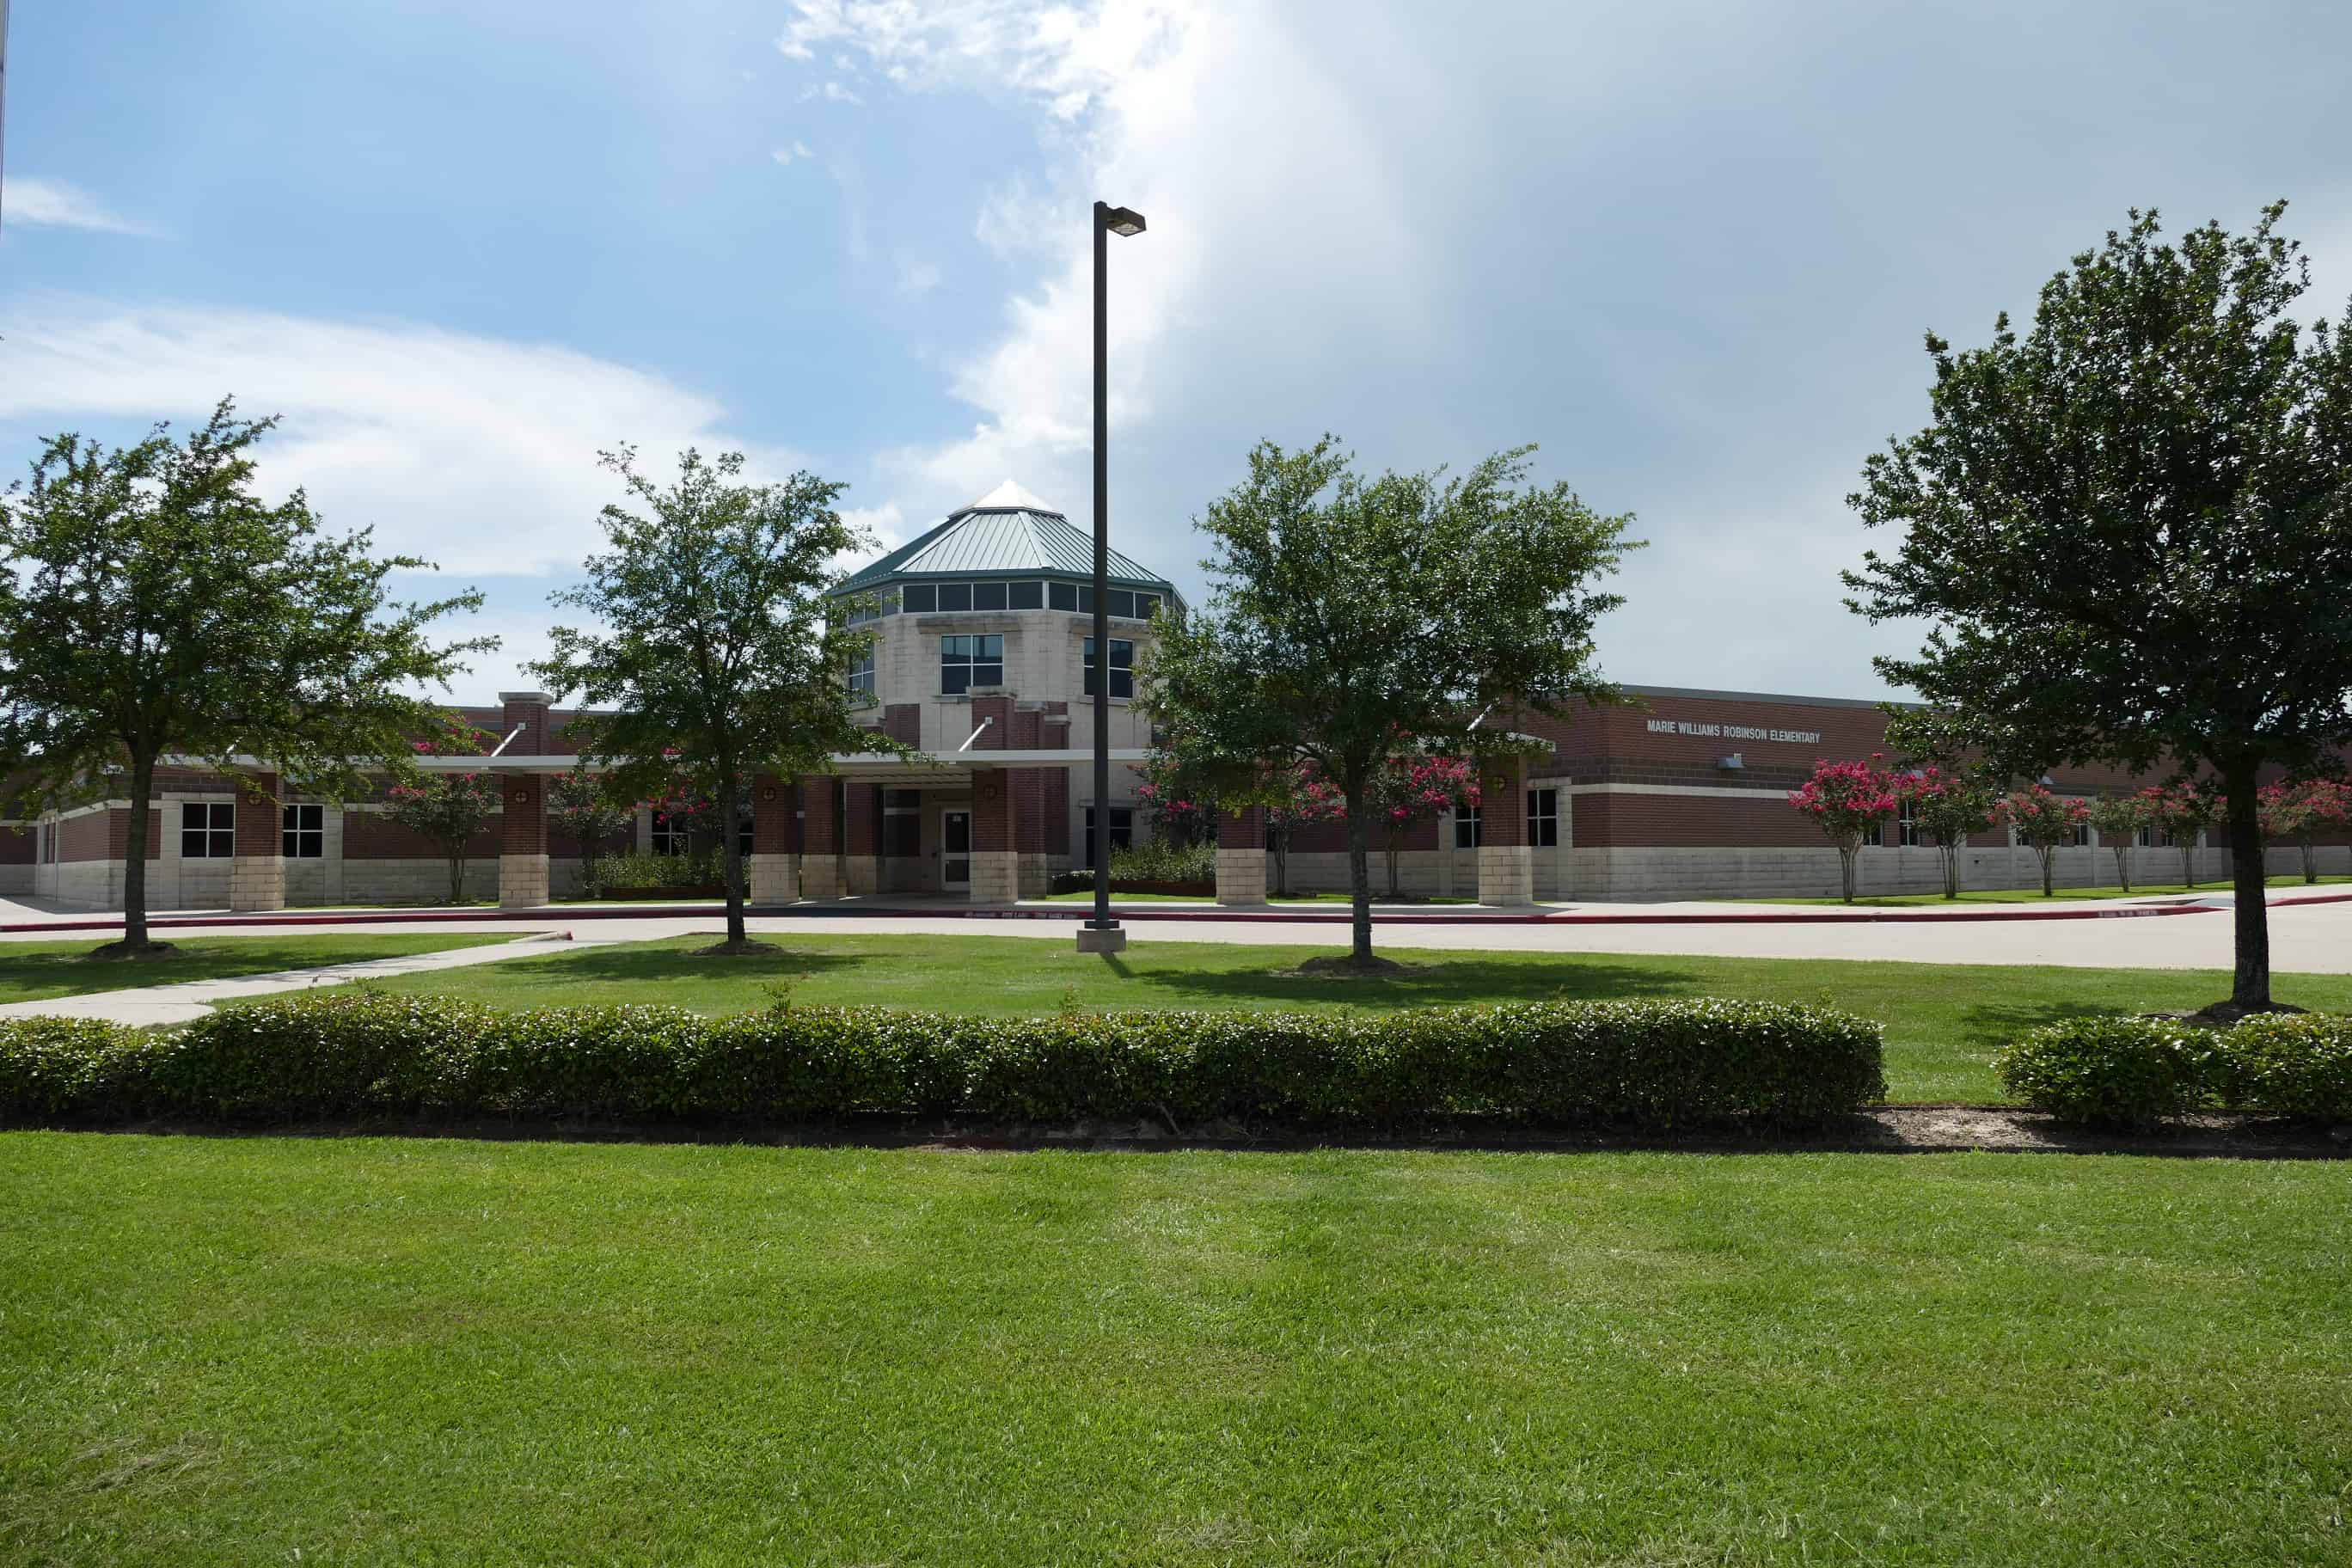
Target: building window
column 2153, row 839
column 988, row 596
column 1122, row 667
column 1062, row 596
column 671, row 835
column 920, row 598
column 967, row 662
column 207, row 830
column 1122, row 834
column 1025, row 596
column 861, row 675
column 1466, row 827
column 1906, row 825
column 1875, row 835
column 1543, row 818
column 2083, row 839
column 954, row 597
column 304, row 836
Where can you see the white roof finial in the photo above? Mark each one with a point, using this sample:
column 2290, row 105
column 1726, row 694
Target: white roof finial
column 1010, row 494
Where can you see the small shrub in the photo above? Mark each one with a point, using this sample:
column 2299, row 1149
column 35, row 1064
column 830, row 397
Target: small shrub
column 642, row 869
column 1159, row 861
column 2114, row 1072
column 2292, row 1064
column 53, row 1069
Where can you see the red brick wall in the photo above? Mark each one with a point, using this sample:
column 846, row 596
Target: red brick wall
column 18, row 845
column 820, row 826
column 371, row 836
column 1616, row 821
column 861, row 817
column 522, row 806
column 260, row 820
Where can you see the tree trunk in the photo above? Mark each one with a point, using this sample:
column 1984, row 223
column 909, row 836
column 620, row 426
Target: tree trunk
column 1359, row 875
column 730, row 858
column 1282, row 861
column 2123, row 867
column 134, row 858
column 1847, row 856
column 2047, row 854
column 1396, row 889
column 457, row 875
column 2189, row 860
column 2251, row 981
column 2310, row 860
column 1951, row 858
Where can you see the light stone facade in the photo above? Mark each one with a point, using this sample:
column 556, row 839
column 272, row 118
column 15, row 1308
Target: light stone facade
column 522, row 881
column 774, row 879
column 995, row 877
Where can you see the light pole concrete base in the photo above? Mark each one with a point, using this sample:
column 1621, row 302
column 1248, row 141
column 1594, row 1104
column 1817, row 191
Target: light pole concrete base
column 1092, row 939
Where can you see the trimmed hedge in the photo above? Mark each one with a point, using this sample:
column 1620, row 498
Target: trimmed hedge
column 2132, row 1072
column 1657, row 1064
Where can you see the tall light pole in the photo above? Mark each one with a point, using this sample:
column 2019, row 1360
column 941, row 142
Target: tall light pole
column 1101, row 935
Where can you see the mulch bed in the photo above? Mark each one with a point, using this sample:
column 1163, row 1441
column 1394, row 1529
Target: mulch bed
column 1885, row 1130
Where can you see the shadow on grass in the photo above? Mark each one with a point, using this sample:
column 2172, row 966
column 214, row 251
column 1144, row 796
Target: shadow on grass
column 599, row 965
column 1428, row 981
column 1996, row 1023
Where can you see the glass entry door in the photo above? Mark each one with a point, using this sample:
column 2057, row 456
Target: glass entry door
column 955, row 851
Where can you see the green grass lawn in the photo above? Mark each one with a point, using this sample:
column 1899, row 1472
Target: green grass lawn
column 1944, row 1022
column 2033, row 895
column 251, row 1349
column 39, row 971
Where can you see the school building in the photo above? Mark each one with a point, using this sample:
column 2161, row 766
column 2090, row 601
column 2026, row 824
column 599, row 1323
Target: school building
column 984, row 661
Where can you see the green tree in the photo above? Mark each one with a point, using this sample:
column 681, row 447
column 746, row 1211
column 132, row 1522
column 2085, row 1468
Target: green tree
column 711, row 647
column 1947, row 807
column 2118, row 818
column 154, row 603
column 2170, row 431
column 580, row 806
column 1344, row 609
column 448, row 808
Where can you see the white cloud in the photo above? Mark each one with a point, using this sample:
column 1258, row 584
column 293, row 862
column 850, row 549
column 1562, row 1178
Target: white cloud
column 917, row 276
column 477, row 453
column 831, row 92
column 54, row 204
column 786, row 155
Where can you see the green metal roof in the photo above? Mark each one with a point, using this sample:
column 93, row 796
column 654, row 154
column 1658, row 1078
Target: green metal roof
column 1006, row 534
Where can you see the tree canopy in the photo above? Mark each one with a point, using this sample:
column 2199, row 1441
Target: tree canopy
column 1345, row 609
column 2130, row 530
column 154, row 604
column 712, row 646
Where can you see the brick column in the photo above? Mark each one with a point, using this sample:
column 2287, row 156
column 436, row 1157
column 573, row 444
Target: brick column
column 528, row 708
column 522, row 839
column 774, row 871
column 1506, row 867
column 1241, row 856
column 995, row 862
column 861, row 832
column 256, row 876
column 819, row 837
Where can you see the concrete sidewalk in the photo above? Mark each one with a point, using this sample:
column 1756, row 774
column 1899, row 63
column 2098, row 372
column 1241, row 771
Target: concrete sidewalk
column 191, row 999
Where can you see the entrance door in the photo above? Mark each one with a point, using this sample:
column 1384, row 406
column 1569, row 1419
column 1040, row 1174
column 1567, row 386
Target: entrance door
column 955, row 851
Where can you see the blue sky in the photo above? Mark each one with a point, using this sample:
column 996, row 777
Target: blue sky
column 1689, row 250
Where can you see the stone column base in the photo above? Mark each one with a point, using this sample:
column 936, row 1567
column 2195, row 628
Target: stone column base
column 1093, row 941
column 820, row 876
column 255, row 882
column 522, row 881
column 1507, row 874
column 775, row 879
column 995, row 877
column 1241, row 876
column 863, row 873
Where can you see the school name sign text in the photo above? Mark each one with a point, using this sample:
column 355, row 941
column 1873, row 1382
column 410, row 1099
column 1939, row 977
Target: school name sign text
column 1733, row 731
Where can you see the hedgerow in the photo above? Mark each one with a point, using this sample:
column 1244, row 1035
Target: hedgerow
column 1658, row 1064
column 2133, row 1072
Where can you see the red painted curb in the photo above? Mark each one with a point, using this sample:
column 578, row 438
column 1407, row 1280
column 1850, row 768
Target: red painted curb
column 1077, row 912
